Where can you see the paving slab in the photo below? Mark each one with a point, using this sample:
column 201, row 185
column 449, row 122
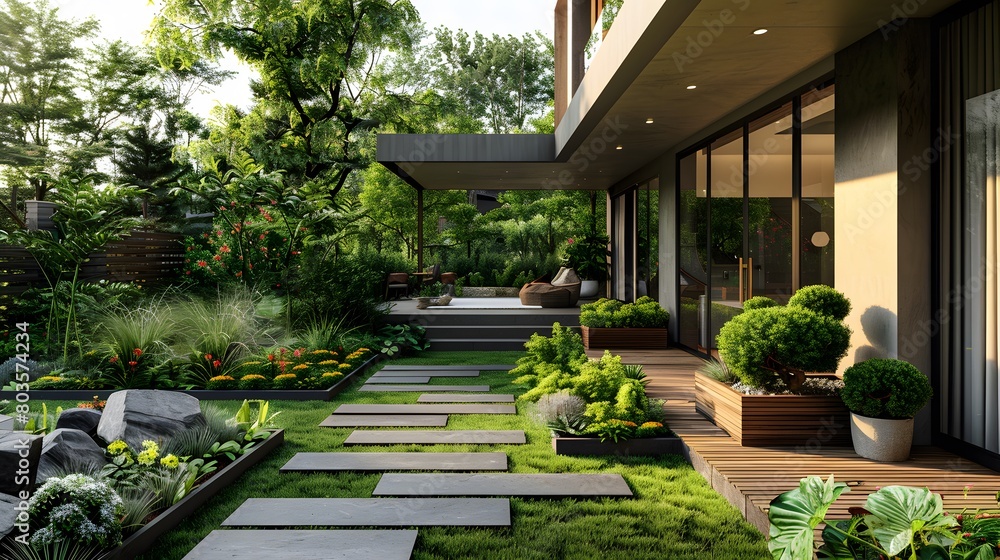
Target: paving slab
column 452, row 398
column 434, row 437
column 306, row 545
column 371, row 512
column 423, row 373
column 378, row 462
column 568, row 485
column 389, row 420
column 419, row 388
column 426, row 409
column 424, row 379
column 477, row 367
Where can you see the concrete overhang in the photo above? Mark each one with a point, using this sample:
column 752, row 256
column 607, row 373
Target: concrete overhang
column 652, row 53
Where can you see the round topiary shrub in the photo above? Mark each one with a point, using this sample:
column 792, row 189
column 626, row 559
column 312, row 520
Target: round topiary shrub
column 823, row 300
column 885, row 388
column 254, row 382
column 759, row 302
column 78, row 509
column 765, row 346
column 221, row 383
column 286, row 381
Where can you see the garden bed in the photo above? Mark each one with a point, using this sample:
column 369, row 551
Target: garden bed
column 206, row 394
column 773, row 420
column 142, row 540
column 625, row 338
column 640, row 446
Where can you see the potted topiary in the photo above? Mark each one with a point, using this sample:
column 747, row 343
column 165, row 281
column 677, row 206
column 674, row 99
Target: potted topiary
column 588, row 255
column 609, row 323
column 883, row 396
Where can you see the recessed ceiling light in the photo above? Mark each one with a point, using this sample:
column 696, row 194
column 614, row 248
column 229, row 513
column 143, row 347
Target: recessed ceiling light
column 649, row 120
column 760, row 31
column 619, row 147
column 691, row 87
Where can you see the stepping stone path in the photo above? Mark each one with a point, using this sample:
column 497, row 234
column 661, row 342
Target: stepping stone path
column 398, row 380
column 366, row 512
column 387, row 420
column 421, row 388
column 426, row 409
column 491, row 398
column 431, row 499
column 415, row 373
column 306, row 545
column 435, row 437
column 525, row 485
column 379, row 462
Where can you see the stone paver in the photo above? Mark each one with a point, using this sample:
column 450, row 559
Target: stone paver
column 390, row 420
column 423, row 373
column 424, row 379
column 306, row 545
column 477, row 367
column 524, row 485
column 378, row 462
column 434, row 437
column 491, row 398
column 370, row 512
column 426, row 409
column 421, row 388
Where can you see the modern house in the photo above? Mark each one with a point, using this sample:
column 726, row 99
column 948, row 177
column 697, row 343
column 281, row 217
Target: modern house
column 775, row 144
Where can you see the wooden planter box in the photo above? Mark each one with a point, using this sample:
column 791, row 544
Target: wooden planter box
column 810, row 421
column 594, row 446
column 85, row 395
column 625, row 338
column 142, row 540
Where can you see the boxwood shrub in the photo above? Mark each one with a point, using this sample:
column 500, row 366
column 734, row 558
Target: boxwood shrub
column 823, row 300
column 645, row 313
column 885, row 388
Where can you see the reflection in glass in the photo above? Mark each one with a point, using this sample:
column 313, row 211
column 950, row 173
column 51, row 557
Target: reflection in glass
column 769, row 176
column 726, row 229
column 693, row 262
column 816, row 211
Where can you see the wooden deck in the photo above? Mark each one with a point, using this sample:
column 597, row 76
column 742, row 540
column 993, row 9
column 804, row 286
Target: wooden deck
column 749, row 477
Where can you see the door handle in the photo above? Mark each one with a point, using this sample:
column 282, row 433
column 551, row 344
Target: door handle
column 746, row 279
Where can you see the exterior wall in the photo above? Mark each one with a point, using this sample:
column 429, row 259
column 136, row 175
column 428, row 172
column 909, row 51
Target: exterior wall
column 883, row 210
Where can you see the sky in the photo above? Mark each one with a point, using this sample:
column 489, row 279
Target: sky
column 128, row 20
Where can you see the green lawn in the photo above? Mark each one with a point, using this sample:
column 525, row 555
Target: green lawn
column 674, row 515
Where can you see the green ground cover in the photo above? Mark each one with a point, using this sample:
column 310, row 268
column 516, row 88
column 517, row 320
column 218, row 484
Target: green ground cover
column 675, row 514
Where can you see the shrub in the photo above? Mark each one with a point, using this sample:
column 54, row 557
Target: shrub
column 221, row 383
column 823, row 300
column 607, row 313
column 885, row 388
column 562, row 412
column 75, row 508
column 254, row 382
column 765, row 346
column 286, row 381
column 759, row 302
column 651, row 429
column 718, row 371
column 614, row 430
column 559, row 354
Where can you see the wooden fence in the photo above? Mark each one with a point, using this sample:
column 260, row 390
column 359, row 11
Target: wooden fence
column 143, row 256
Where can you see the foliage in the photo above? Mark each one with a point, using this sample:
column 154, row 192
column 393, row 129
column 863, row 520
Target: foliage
column 608, row 313
column 885, row 388
column 558, row 355
column 718, row 371
column 75, row 508
column 588, row 255
column 612, row 430
column 562, row 412
column 777, row 345
column 133, row 345
column 896, row 522
column 823, row 300
column 759, row 302
column 403, row 339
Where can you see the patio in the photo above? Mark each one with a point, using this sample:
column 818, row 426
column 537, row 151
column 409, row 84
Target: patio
column 749, row 477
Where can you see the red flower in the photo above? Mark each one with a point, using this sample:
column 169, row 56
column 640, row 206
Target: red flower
column 137, row 352
column 224, row 249
column 217, row 258
column 239, row 274
column 262, row 237
column 188, row 272
column 297, row 353
column 202, row 264
column 208, row 356
column 218, row 232
column 114, row 359
column 216, row 364
column 570, row 241
column 270, row 357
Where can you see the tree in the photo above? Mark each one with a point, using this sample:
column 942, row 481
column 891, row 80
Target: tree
column 318, row 61
column 503, row 81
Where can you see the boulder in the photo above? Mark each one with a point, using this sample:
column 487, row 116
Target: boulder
column 8, row 514
column 66, row 450
column 6, row 423
column 135, row 415
column 83, row 419
column 19, row 454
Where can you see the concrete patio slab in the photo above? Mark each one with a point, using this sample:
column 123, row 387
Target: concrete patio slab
column 378, row 462
column 383, row 387
column 434, row 437
column 426, row 409
column 490, row 398
column 522, row 485
column 424, row 379
column 391, row 420
column 371, row 512
column 424, row 373
column 306, row 545
column 477, row 367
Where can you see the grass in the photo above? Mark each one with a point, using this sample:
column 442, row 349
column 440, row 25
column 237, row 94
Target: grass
column 674, row 514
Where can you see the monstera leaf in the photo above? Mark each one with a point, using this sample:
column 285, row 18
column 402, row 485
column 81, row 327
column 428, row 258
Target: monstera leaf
column 898, row 514
column 795, row 515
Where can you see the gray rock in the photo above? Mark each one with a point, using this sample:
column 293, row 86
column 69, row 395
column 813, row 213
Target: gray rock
column 8, row 514
column 19, row 454
column 136, row 415
column 66, row 450
column 83, row 419
column 6, row 423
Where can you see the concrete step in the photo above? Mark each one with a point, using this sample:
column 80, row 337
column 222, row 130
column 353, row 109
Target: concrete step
column 436, row 330
column 495, row 320
column 474, row 344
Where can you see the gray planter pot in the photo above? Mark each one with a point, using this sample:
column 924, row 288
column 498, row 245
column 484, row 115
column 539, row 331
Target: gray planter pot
column 588, row 289
column 882, row 439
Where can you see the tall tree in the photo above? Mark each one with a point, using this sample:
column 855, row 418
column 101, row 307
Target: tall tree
column 318, row 62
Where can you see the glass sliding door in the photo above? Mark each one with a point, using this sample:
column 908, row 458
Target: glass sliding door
column 770, row 210
column 692, row 265
column 816, row 209
column 727, row 233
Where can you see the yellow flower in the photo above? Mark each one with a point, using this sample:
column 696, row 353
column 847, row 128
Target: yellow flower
column 344, row 366
column 252, row 376
column 332, row 374
column 285, row 376
column 147, row 457
column 301, row 367
column 221, row 378
column 651, row 425
column 150, row 444
column 328, row 363
column 117, row 447
column 50, row 378
column 170, row 461
column 318, row 352
column 251, row 364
